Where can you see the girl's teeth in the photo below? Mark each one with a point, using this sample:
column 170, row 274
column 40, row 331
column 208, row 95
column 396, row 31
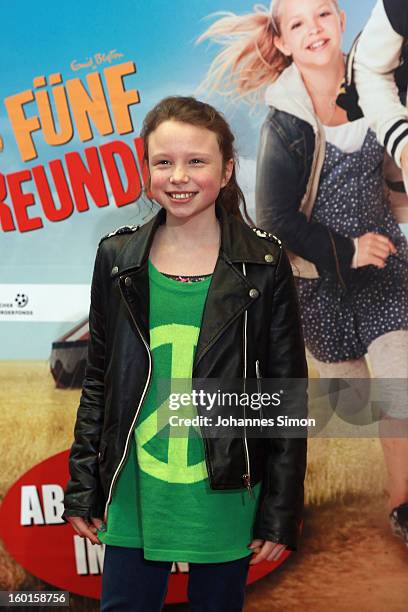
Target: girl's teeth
column 181, row 196
column 317, row 45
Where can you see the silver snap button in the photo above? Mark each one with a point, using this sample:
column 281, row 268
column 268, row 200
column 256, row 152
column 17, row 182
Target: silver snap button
column 269, row 258
column 115, row 270
column 253, row 293
column 128, row 281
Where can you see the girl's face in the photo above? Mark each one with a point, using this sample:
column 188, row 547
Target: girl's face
column 186, row 168
column 310, row 32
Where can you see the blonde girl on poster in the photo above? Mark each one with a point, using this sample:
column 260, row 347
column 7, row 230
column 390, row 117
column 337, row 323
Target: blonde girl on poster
column 320, row 190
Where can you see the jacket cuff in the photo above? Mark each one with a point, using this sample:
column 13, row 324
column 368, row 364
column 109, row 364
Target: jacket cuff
column 339, row 258
column 86, row 507
column 396, row 138
column 87, row 513
column 82, row 512
column 289, row 538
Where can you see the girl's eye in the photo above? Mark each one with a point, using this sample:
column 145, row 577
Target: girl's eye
column 196, row 161
column 162, row 162
column 325, row 14
column 295, row 25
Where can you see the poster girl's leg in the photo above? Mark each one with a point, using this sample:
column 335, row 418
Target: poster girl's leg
column 353, row 368
column 353, row 403
column 389, row 360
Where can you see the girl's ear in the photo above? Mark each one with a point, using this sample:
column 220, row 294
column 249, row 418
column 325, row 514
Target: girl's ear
column 228, row 170
column 281, row 46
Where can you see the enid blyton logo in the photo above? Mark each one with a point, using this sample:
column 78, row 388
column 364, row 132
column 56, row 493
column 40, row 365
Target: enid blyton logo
column 21, row 300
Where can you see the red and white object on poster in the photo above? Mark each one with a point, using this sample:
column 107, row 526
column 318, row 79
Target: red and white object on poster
column 37, row 538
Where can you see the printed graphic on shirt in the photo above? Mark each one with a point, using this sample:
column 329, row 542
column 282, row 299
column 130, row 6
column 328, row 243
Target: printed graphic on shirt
column 175, row 458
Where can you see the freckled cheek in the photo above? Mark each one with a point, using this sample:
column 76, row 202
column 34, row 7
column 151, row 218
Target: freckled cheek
column 158, row 182
column 212, row 188
column 210, row 180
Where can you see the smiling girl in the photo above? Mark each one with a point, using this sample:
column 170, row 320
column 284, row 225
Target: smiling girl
column 210, row 502
column 320, row 190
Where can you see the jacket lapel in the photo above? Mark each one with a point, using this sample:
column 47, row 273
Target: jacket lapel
column 133, row 273
column 136, row 295
column 228, row 297
column 229, row 292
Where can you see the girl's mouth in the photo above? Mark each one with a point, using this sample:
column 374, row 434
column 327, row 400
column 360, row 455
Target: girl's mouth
column 181, row 196
column 318, row 45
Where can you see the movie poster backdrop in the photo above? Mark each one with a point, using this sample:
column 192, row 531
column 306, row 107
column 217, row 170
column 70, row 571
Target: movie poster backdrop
column 77, row 80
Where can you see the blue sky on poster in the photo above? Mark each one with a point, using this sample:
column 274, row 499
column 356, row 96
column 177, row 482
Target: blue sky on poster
column 159, row 37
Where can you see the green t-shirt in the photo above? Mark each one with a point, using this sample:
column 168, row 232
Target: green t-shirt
column 163, row 502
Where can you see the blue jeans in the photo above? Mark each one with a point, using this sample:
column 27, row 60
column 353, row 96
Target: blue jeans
column 132, row 584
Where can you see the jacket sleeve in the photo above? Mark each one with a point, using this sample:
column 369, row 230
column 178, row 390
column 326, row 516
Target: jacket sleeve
column 281, row 503
column 377, row 57
column 280, row 186
column 83, row 494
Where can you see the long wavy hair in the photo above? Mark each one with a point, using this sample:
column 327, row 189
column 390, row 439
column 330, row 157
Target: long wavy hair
column 194, row 112
column 249, row 59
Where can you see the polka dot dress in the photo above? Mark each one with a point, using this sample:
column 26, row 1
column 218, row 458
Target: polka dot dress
column 339, row 324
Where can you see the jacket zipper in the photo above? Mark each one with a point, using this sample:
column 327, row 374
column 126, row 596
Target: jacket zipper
column 258, row 376
column 258, row 386
column 247, row 476
column 149, row 376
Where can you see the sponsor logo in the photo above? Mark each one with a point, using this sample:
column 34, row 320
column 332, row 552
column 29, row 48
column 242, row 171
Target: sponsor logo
column 21, row 300
column 38, row 302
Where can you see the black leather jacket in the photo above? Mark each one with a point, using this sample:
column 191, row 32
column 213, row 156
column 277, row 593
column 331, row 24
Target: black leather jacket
column 251, row 314
column 285, row 155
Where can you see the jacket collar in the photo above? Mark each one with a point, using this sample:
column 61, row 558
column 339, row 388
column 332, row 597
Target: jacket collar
column 229, row 294
column 289, row 94
column 239, row 243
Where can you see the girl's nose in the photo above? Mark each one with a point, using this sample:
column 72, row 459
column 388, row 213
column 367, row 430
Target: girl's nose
column 314, row 27
column 179, row 176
